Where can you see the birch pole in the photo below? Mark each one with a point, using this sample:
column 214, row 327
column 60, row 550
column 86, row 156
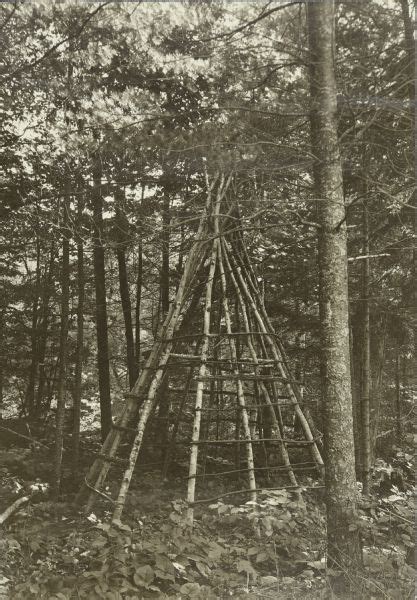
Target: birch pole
column 169, row 328
column 192, row 472
column 99, row 469
column 265, row 392
column 239, row 386
column 279, row 361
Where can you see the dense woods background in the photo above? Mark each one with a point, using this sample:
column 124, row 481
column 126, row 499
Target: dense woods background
column 110, row 113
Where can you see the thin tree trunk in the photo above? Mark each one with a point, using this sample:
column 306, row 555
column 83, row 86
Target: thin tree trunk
column 1, row 366
column 180, row 263
column 139, row 280
column 343, row 546
column 43, row 329
column 165, row 240
column 411, row 48
column 80, row 342
column 354, row 368
column 398, row 427
column 122, row 240
column 366, row 358
column 65, row 299
column 138, row 304
column 30, row 390
column 51, row 382
column 163, row 411
column 62, row 357
column 378, row 362
column 101, row 301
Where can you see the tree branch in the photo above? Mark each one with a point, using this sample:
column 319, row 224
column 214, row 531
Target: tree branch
column 55, row 47
column 13, row 508
column 9, row 16
column 263, row 15
column 364, row 256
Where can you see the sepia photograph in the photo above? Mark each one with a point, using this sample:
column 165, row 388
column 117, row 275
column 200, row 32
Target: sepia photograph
column 208, row 299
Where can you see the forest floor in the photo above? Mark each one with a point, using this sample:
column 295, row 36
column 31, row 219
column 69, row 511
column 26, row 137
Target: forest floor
column 237, row 549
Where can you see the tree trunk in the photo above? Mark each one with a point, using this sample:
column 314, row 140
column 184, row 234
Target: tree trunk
column 139, row 279
column 378, row 361
column 43, row 328
column 398, row 427
column 138, row 304
column 101, row 302
column 354, row 368
column 1, row 369
column 30, row 390
column 180, row 264
column 165, row 241
column 80, row 342
column 343, row 545
column 122, row 240
column 411, row 49
column 163, row 411
column 366, row 358
column 62, row 356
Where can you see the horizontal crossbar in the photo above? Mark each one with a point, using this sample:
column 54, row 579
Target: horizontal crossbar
column 256, row 490
column 260, row 362
column 288, row 442
column 246, row 377
column 237, row 407
column 292, row 467
column 214, row 391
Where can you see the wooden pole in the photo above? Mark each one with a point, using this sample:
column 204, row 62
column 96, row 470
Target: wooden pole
column 98, row 471
column 277, row 356
column 192, row 472
column 239, row 386
column 262, row 386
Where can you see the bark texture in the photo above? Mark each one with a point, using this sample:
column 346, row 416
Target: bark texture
column 63, row 344
column 164, row 282
column 30, row 390
column 411, row 49
column 122, row 236
column 101, row 302
column 138, row 306
column 342, row 538
column 366, row 357
column 43, row 328
column 80, row 343
column 378, row 341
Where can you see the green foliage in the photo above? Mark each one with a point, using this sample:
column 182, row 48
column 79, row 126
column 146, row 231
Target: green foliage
column 275, row 546
column 155, row 558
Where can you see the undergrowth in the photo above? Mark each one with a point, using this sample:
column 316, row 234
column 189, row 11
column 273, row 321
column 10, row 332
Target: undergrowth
column 274, row 548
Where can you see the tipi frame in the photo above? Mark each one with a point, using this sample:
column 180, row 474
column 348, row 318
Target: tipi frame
column 241, row 339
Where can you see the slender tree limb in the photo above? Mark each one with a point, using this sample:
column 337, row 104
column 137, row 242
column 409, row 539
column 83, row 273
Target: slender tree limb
column 26, row 437
column 55, row 47
column 13, row 508
column 260, row 17
column 366, row 256
column 9, row 16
